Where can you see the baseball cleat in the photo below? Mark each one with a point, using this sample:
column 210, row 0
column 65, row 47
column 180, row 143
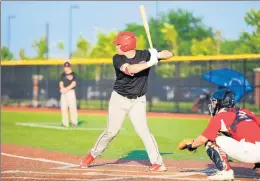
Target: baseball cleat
column 256, row 166
column 222, row 175
column 63, row 125
column 157, row 168
column 74, row 125
column 87, row 161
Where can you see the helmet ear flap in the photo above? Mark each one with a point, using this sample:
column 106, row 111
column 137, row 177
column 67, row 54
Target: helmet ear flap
column 123, row 48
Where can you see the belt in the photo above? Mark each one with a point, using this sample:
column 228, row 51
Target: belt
column 133, row 97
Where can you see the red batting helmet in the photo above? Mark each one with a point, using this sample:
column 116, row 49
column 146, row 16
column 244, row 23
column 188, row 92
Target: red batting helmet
column 127, row 41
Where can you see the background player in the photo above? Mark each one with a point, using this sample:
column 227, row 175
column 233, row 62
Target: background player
column 242, row 126
column 128, row 97
column 68, row 96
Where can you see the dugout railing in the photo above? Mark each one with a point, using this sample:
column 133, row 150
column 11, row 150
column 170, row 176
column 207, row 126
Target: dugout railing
column 174, row 85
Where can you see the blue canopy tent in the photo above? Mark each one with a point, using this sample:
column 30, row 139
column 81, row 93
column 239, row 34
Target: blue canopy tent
column 230, row 79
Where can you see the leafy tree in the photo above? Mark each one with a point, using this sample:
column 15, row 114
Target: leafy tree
column 104, row 48
column 139, row 32
column 23, row 56
column 250, row 42
column 6, row 54
column 218, row 38
column 40, row 47
column 82, row 48
column 60, row 45
column 140, row 42
column 207, row 46
column 170, row 36
column 203, row 47
column 187, row 26
column 228, row 46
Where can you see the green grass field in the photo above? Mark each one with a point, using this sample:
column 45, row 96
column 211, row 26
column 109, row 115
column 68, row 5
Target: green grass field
column 168, row 132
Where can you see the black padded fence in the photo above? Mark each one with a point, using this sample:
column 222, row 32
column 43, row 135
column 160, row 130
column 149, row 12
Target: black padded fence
column 173, row 87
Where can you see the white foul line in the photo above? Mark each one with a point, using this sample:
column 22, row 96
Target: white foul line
column 36, row 125
column 100, row 173
column 39, row 159
column 61, row 179
column 200, row 170
column 56, row 126
column 122, row 176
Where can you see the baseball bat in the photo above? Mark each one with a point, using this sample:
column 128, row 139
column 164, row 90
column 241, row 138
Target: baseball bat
column 146, row 26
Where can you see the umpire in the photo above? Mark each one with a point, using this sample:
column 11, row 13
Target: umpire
column 68, row 96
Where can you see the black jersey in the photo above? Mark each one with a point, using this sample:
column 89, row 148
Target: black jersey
column 65, row 80
column 131, row 86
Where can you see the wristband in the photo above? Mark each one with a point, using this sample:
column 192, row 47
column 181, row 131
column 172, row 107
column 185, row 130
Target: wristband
column 158, row 55
column 149, row 63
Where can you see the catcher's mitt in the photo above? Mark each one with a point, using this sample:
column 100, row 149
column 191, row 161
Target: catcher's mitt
column 186, row 144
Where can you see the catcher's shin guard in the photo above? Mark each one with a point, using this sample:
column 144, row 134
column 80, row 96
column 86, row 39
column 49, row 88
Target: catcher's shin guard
column 217, row 156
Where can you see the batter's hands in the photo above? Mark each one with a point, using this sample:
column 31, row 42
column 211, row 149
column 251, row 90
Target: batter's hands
column 165, row 54
column 154, row 57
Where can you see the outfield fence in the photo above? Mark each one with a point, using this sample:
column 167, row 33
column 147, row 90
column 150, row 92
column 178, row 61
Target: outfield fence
column 174, row 85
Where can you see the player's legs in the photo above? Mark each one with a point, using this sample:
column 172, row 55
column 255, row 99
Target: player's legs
column 73, row 107
column 240, row 150
column 118, row 108
column 138, row 117
column 217, row 155
column 64, row 110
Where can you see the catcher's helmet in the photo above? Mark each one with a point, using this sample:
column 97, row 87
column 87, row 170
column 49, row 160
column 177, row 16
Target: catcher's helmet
column 222, row 98
column 127, row 40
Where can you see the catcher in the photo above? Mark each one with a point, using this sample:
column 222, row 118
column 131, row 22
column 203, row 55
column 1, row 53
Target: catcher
column 243, row 142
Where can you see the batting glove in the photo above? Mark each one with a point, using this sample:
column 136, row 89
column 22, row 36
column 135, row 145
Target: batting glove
column 153, row 58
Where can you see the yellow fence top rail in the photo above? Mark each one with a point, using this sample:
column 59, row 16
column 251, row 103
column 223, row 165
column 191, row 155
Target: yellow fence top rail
column 109, row 60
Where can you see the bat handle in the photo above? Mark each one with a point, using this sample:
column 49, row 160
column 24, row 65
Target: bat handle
column 150, row 43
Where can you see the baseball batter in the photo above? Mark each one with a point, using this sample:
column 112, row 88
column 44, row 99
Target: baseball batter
column 68, row 96
column 128, row 97
column 241, row 139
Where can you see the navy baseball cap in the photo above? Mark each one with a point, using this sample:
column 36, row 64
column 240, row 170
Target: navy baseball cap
column 67, row 64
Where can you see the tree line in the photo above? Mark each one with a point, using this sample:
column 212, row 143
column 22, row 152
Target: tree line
column 179, row 31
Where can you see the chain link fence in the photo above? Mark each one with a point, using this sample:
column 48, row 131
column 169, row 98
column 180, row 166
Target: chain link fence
column 173, row 86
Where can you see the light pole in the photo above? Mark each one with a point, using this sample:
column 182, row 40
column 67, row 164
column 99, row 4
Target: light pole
column 70, row 27
column 9, row 31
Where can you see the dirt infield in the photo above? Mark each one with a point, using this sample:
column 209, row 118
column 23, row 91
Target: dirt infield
column 26, row 163
column 103, row 112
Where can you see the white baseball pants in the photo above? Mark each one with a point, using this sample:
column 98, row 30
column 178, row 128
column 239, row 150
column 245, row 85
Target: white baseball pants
column 68, row 100
column 119, row 106
column 240, row 150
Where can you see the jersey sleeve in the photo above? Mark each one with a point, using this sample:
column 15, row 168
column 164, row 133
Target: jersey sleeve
column 62, row 77
column 74, row 76
column 118, row 62
column 146, row 55
column 121, row 65
column 213, row 128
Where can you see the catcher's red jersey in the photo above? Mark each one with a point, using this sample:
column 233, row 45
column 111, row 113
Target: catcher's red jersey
column 248, row 128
